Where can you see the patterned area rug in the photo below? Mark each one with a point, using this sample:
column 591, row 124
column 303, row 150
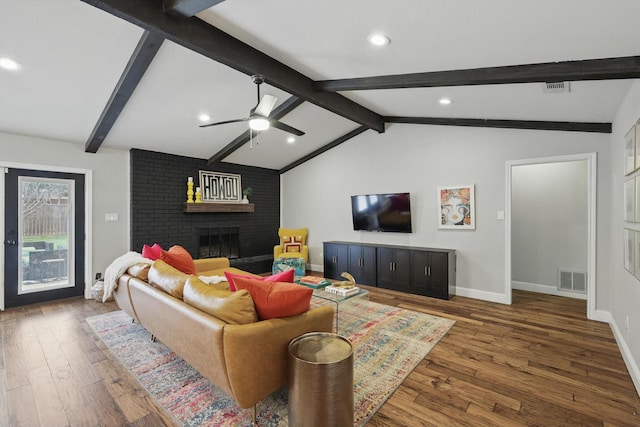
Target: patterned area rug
column 388, row 344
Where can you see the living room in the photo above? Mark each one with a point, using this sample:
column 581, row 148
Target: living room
column 406, row 157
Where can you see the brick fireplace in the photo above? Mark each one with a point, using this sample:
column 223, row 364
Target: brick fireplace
column 158, row 189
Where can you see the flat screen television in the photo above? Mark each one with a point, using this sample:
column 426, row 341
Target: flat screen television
column 382, row 212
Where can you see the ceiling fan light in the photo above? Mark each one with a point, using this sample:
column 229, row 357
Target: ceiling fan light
column 259, row 123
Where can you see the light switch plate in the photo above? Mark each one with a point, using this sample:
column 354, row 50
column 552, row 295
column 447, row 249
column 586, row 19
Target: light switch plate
column 500, row 214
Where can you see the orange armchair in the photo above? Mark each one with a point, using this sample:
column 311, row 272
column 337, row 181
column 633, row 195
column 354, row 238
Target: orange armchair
column 293, row 244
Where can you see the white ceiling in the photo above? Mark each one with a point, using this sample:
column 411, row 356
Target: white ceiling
column 73, row 55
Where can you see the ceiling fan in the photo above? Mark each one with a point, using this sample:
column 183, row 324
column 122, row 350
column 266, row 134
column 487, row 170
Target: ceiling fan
column 259, row 115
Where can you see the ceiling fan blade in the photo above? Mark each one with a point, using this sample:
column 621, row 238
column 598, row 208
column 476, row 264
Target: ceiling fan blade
column 224, row 123
column 265, row 105
column 286, row 128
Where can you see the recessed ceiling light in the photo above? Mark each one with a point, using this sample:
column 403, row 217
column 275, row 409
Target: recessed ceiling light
column 204, row 117
column 445, row 101
column 291, row 140
column 379, row 39
column 9, row 64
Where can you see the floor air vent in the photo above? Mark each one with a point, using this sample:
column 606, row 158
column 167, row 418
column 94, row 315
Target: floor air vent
column 572, row 281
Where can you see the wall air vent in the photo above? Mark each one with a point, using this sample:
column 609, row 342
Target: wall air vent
column 572, row 281
column 557, row 87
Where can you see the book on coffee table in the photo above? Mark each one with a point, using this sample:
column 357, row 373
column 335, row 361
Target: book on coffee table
column 342, row 290
column 314, row 282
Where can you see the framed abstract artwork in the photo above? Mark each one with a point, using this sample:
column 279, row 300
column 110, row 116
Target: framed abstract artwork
column 629, row 238
column 218, row 187
column 630, row 163
column 630, row 200
column 456, row 207
column 636, row 270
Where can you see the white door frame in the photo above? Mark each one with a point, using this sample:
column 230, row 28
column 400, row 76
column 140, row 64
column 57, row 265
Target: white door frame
column 591, row 159
column 88, row 226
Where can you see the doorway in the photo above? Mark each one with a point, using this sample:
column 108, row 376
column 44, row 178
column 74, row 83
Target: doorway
column 44, row 236
column 589, row 216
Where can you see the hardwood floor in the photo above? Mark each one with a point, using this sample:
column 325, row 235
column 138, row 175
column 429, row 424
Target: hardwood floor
column 537, row 362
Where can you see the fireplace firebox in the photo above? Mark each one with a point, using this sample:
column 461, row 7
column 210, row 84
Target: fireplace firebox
column 219, row 242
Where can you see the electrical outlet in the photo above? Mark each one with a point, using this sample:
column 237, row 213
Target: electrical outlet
column 111, row 217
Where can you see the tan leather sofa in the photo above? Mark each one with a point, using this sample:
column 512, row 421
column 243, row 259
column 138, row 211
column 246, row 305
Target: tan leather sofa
column 248, row 362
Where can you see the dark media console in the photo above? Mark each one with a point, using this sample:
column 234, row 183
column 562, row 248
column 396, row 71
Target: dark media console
column 422, row 271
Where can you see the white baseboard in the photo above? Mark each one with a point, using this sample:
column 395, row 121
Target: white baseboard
column 545, row 289
column 482, row 295
column 632, row 366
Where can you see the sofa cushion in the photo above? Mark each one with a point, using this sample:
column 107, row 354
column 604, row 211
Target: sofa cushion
column 178, row 257
column 283, row 276
column 140, row 271
column 276, row 299
column 152, row 252
column 169, row 279
column 232, row 307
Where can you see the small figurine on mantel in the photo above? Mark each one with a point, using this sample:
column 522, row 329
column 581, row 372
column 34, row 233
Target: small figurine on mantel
column 246, row 192
column 190, row 190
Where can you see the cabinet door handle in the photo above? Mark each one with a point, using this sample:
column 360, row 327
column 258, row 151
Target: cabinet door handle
column 390, row 266
column 429, row 270
column 426, row 271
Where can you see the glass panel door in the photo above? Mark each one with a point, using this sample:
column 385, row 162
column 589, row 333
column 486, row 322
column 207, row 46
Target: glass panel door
column 46, row 230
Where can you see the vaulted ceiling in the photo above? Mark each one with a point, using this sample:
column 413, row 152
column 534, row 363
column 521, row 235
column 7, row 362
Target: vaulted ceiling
column 137, row 73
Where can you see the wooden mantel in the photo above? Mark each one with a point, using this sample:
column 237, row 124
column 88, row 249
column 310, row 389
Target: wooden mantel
column 217, row 207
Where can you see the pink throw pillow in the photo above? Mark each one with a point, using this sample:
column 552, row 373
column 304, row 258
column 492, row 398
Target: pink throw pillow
column 152, row 252
column 283, row 276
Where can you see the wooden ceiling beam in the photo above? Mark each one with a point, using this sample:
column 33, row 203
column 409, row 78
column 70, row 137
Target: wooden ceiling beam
column 215, row 44
column 592, row 69
column 140, row 60
column 279, row 112
column 506, row 124
column 182, row 9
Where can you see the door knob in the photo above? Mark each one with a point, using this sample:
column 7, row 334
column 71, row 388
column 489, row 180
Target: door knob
column 10, row 242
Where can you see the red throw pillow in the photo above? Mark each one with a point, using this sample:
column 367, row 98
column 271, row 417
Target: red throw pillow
column 179, row 258
column 283, row 276
column 152, row 252
column 276, row 299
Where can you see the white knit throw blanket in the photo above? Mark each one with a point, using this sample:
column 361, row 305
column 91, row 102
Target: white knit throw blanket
column 117, row 268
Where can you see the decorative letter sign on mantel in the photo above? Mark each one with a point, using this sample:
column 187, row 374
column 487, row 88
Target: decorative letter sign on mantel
column 220, row 187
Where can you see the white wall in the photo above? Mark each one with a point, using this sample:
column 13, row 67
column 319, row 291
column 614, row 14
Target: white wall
column 110, row 189
column 548, row 221
column 418, row 159
column 622, row 288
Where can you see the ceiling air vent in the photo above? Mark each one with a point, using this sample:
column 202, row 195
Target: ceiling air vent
column 557, row 87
